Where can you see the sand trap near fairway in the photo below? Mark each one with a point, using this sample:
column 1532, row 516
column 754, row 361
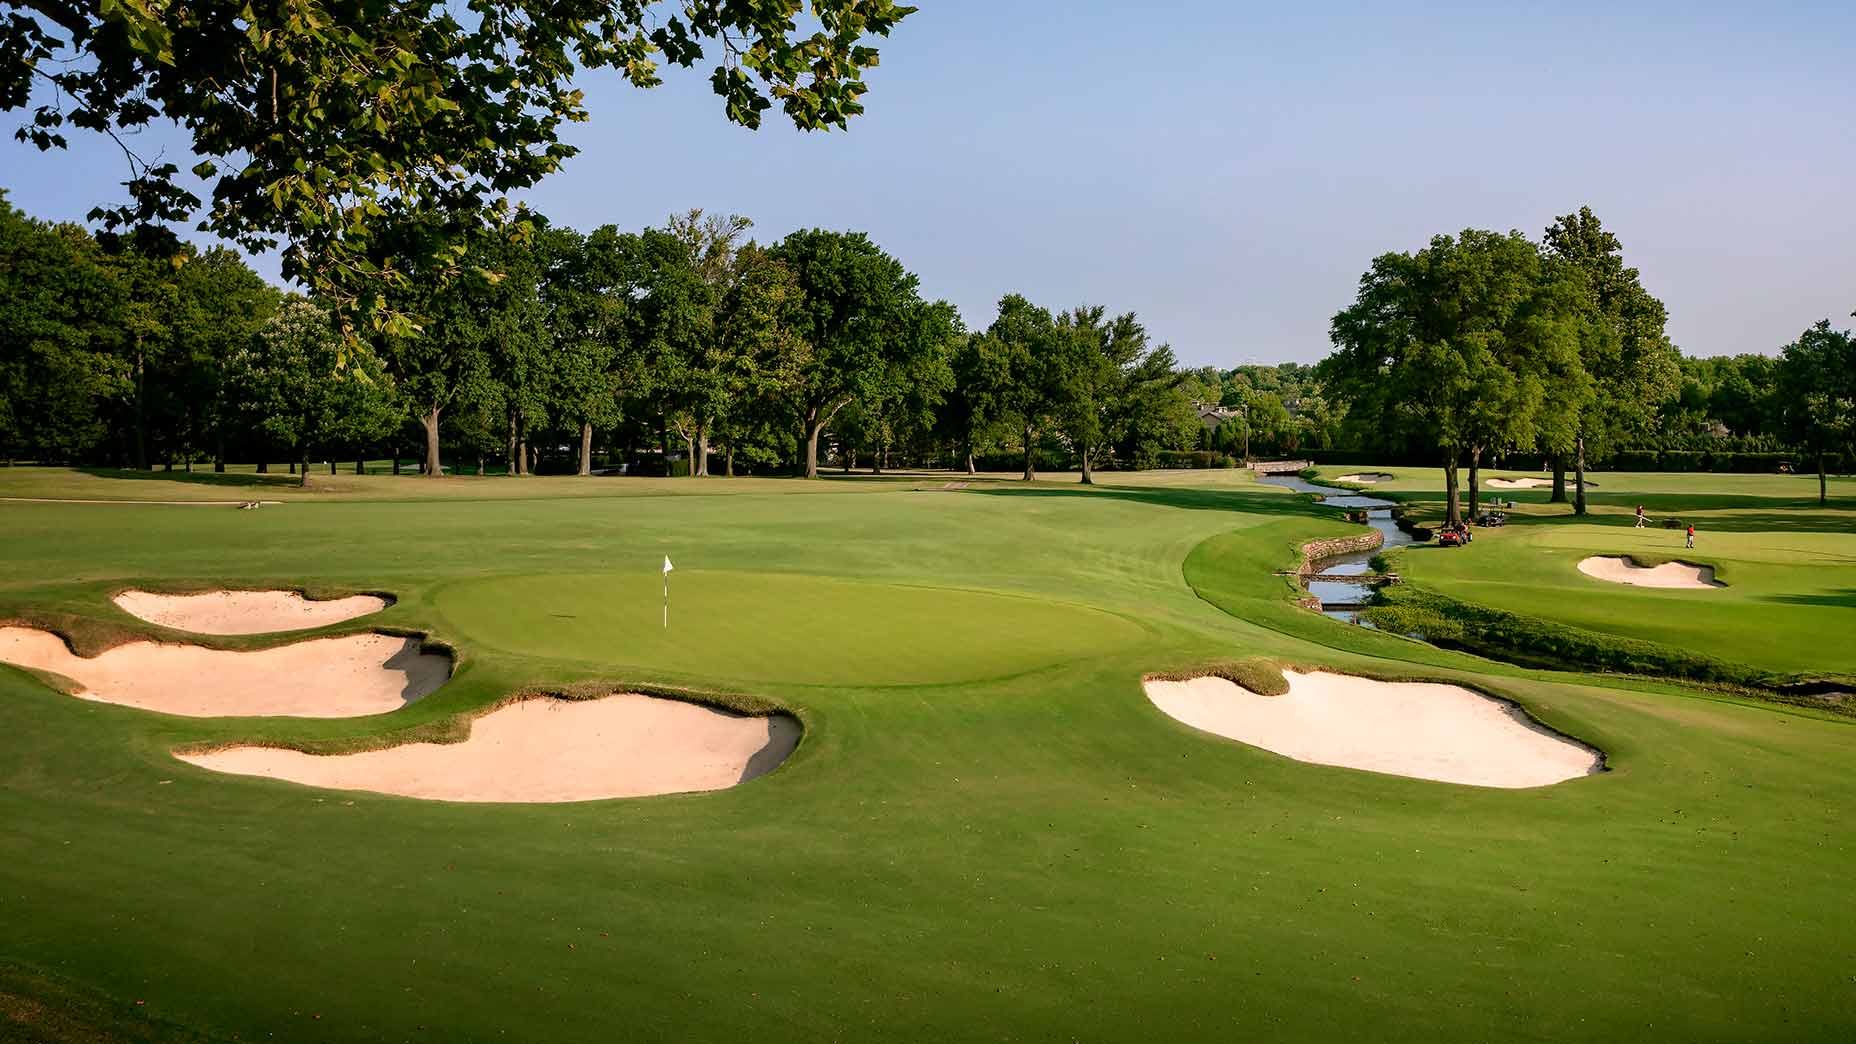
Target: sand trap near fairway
column 1367, row 478
column 345, row 677
column 544, row 750
column 1526, row 483
column 244, row 612
column 1418, row 729
column 1621, row 570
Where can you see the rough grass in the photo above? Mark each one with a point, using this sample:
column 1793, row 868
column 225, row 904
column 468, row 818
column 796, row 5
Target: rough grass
column 1031, row 855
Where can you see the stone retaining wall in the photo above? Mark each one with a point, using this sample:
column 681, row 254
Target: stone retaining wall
column 1316, row 550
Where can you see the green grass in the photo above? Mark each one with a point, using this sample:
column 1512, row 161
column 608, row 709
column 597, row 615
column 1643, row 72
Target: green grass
column 1789, row 606
column 986, row 834
column 765, row 627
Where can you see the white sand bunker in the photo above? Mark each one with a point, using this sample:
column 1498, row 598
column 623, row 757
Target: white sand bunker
column 540, row 750
column 343, row 677
column 1527, row 483
column 1418, row 729
column 244, row 612
column 1621, row 570
column 1367, row 478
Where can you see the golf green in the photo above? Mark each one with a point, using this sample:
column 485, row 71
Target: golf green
column 771, row 627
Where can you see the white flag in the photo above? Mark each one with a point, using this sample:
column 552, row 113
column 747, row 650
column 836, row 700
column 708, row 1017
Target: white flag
column 667, row 566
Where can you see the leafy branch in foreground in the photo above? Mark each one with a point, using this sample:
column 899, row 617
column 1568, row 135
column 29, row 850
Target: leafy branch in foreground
column 372, row 136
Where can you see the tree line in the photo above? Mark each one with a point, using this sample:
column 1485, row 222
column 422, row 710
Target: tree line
column 1485, row 344
column 687, row 340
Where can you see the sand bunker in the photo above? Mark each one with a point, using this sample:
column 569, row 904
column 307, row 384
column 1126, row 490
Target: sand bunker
column 342, row 677
column 244, row 612
column 1621, row 570
column 1367, row 478
column 540, row 750
column 1526, row 483
column 1418, row 729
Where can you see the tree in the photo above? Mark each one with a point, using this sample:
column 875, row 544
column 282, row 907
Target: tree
column 757, row 318
column 900, row 408
column 700, row 367
column 974, row 404
column 1623, row 348
column 60, row 333
column 1817, row 376
column 1105, row 364
column 1452, row 347
column 1025, row 336
column 581, row 293
column 299, row 388
column 221, row 304
column 375, row 137
column 856, row 324
column 449, row 356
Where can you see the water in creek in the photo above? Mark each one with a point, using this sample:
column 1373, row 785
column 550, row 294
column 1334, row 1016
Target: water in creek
column 1341, row 599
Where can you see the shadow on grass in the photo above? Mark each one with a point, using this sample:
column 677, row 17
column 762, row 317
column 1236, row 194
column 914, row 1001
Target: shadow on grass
column 197, row 478
column 1833, row 599
column 1186, row 498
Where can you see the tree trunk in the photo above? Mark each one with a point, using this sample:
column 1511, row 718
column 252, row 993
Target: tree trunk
column 433, row 468
column 1578, row 471
column 971, row 469
column 729, row 460
column 141, row 425
column 1088, row 475
column 813, row 427
column 701, row 465
column 264, row 468
column 1559, row 481
column 396, row 458
column 849, row 459
column 586, row 448
column 332, row 465
column 1453, row 512
column 293, row 467
column 219, row 457
column 1823, row 488
column 360, row 465
column 1031, row 473
column 1475, row 483
column 514, row 448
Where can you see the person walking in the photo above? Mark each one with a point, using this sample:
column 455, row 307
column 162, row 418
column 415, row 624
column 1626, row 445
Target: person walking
column 1639, row 516
column 1691, row 535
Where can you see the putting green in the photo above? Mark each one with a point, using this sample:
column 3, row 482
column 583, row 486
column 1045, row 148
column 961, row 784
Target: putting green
column 771, row 627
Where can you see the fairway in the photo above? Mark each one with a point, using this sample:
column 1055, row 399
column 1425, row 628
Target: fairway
column 988, row 832
column 740, row 626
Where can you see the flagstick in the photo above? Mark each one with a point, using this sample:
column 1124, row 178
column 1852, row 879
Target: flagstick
column 666, row 600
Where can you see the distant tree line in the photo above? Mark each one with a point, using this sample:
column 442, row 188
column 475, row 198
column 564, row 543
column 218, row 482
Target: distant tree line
column 553, row 349
column 1485, row 345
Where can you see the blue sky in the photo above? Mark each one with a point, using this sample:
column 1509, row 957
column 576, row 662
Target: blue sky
column 1228, row 170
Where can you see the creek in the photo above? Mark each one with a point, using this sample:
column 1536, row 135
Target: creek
column 1343, row 599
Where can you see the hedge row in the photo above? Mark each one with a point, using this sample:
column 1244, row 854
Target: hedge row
column 1195, row 459
column 1720, row 461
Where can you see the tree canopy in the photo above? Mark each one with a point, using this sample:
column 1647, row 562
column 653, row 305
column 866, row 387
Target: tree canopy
column 1461, row 347
column 372, row 138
